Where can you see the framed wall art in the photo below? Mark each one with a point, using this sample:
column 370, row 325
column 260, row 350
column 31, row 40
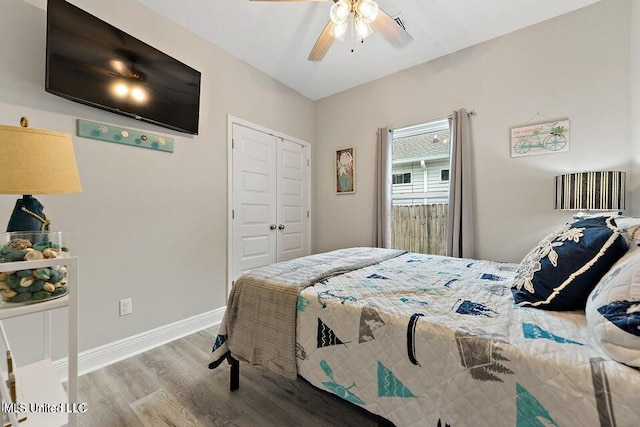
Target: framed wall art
column 549, row 136
column 345, row 162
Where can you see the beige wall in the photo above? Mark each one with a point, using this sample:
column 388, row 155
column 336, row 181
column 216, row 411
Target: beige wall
column 148, row 225
column 575, row 66
column 634, row 182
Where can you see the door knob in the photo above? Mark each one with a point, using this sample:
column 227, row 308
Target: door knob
column 281, row 227
column 272, row 227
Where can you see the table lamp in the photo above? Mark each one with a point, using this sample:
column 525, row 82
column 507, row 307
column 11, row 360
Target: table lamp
column 34, row 161
column 590, row 191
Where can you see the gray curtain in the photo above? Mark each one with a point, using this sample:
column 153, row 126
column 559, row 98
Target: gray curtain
column 460, row 219
column 383, row 188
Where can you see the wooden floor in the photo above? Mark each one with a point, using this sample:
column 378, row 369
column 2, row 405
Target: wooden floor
column 172, row 386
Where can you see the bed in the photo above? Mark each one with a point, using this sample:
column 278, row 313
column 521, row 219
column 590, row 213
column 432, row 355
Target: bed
column 425, row 340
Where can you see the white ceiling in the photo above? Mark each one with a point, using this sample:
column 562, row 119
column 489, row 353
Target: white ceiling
column 276, row 37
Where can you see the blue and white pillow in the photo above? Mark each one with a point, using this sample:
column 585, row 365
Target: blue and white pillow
column 613, row 310
column 561, row 271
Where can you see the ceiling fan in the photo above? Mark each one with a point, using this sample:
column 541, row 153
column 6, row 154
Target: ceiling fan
column 365, row 16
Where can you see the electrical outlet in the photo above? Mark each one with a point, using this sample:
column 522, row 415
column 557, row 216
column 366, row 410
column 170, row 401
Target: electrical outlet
column 126, row 306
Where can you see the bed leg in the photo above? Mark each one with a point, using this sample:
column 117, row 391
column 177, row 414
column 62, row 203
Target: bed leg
column 234, row 380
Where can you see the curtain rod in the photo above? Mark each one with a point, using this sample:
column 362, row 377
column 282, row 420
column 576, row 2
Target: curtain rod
column 471, row 112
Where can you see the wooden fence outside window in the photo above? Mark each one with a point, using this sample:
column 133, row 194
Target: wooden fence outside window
column 420, row 228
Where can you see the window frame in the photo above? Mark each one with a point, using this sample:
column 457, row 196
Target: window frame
column 404, row 176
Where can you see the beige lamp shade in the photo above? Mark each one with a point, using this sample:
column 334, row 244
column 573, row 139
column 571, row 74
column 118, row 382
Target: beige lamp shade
column 34, row 161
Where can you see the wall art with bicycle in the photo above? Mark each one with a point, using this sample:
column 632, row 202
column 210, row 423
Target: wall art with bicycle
column 540, row 138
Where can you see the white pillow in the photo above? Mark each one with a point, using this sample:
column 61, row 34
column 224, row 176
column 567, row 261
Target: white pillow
column 630, row 228
column 613, row 310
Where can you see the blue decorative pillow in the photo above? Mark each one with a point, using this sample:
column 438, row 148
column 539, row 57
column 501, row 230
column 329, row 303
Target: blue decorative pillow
column 561, row 271
column 613, row 310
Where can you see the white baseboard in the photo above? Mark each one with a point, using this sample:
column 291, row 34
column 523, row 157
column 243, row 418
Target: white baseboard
column 108, row 354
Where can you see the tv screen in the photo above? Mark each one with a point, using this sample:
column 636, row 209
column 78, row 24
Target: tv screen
column 94, row 63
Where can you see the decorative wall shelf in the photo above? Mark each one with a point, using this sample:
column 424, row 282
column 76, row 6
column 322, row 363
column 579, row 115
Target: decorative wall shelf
column 118, row 135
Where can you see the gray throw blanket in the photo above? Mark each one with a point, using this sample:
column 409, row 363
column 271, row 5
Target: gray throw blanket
column 259, row 325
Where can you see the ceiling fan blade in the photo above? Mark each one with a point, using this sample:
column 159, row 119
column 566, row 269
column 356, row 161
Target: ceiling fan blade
column 323, row 43
column 85, row 66
column 391, row 30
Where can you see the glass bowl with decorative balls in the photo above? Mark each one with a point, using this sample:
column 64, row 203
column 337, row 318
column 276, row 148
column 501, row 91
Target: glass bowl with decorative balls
column 30, row 285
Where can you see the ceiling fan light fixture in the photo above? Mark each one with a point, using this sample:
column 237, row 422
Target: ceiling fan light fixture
column 368, row 10
column 339, row 30
column 363, row 29
column 340, row 11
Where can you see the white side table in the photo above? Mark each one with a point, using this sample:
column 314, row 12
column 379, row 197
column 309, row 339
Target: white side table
column 39, row 381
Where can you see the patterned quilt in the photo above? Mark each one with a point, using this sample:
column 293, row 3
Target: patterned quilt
column 434, row 341
column 259, row 324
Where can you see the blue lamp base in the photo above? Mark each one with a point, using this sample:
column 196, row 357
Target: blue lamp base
column 28, row 216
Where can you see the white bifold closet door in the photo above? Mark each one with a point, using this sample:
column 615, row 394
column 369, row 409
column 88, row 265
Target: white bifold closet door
column 270, row 211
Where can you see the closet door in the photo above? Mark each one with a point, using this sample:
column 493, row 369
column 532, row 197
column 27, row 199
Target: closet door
column 292, row 203
column 254, row 200
column 270, row 200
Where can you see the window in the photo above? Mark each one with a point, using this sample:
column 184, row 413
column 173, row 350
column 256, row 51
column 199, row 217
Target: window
column 401, row 178
column 420, row 192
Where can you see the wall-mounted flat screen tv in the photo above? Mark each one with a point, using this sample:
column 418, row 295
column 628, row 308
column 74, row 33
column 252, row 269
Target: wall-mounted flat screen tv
column 94, row 63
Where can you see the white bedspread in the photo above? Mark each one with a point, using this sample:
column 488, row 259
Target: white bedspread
column 433, row 341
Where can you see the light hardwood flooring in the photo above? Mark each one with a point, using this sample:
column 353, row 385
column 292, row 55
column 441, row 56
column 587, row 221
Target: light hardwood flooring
column 172, row 386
